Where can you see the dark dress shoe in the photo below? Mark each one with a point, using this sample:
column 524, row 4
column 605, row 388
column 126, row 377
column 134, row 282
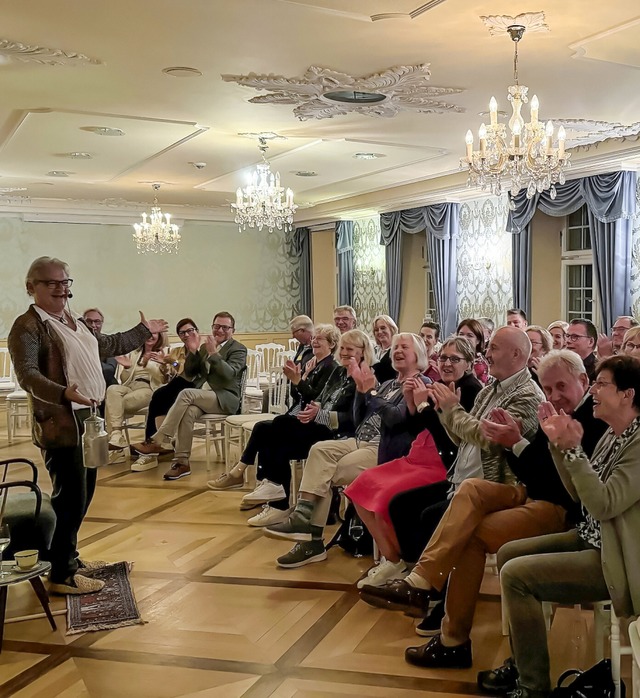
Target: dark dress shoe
column 504, row 679
column 398, row 595
column 434, row 655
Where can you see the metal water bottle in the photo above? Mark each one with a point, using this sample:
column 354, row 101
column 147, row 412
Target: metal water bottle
column 95, row 441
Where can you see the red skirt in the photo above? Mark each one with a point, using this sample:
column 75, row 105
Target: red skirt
column 373, row 489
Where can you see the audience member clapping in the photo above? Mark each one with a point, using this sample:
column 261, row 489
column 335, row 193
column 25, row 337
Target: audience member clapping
column 541, row 343
column 384, row 330
column 430, row 333
column 473, row 331
column 631, row 342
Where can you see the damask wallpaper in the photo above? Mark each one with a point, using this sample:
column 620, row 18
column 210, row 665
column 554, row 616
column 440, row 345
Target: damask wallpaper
column 369, row 272
column 484, row 259
column 635, row 259
column 250, row 274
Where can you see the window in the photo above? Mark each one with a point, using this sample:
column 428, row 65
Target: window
column 578, row 292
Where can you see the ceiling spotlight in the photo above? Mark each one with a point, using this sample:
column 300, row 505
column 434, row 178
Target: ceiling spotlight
column 369, row 156
column 304, row 173
column 199, row 165
column 76, row 156
column 59, row 173
column 103, row 130
column 179, row 71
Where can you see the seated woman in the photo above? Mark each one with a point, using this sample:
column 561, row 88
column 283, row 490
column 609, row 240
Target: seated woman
column 306, row 385
column 292, row 435
column 599, row 559
column 558, row 332
column 142, row 374
column 631, row 342
column 372, row 491
column 384, row 330
column 473, row 331
column 541, row 343
column 380, row 414
column 430, row 332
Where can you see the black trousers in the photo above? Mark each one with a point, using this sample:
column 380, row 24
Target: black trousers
column 276, row 443
column 73, row 489
column 162, row 401
column 415, row 515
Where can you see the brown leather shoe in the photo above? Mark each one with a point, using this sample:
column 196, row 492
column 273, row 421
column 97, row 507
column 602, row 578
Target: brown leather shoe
column 434, row 655
column 398, row 595
column 149, row 448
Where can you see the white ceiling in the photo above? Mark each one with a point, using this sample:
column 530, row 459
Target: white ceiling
column 585, row 67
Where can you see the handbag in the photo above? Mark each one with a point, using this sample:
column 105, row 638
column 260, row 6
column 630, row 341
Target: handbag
column 595, row 682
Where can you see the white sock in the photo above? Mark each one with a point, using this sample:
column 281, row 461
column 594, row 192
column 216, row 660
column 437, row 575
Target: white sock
column 417, row 581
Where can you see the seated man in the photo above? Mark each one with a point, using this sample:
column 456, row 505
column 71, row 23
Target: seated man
column 344, row 318
column 582, row 338
column 94, row 319
column 218, row 365
column 381, row 435
column 482, row 516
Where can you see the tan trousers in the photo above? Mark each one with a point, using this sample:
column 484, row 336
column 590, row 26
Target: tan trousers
column 481, row 517
column 334, row 463
column 123, row 401
column 191, row 404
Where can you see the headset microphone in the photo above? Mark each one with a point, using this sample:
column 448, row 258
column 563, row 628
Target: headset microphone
column 69, row 295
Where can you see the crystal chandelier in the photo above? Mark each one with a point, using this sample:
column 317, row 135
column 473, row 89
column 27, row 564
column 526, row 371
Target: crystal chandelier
column 157, row 234
column 263, row 202
column 526, row 156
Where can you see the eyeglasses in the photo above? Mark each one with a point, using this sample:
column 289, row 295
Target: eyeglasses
column 536, row 344
column 573, row 337
column 601, row 384
column 453, row 360
column 631, row 345
column 620, row 329
column 189, row 330
column 226, row 328
column 54, row 283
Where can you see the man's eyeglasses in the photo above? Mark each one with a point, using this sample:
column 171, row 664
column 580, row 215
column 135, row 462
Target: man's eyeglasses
column 573, row 337
column 54, row 283
column 451, row 359
column 188, row 331
column 226, row 328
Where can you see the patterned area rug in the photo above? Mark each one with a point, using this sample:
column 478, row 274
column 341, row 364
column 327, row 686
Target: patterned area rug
column 113, row 607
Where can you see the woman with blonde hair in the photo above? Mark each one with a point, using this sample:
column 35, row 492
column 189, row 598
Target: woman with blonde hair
column 558, row 331
column 631, row 342
column 384, row 330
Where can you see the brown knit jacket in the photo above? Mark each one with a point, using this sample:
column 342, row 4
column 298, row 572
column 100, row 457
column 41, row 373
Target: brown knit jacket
column 38, row 359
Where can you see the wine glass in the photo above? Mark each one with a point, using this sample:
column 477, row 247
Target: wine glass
column 5, row 539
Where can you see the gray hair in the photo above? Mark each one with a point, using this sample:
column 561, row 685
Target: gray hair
column 357, row 338
column 463, row 346
column 345, row 309
column 93, row 310
column 301, row 322
column 388, row 321
column 419, row 348
column 329, row 332
column 38, row 264
column 564, row 358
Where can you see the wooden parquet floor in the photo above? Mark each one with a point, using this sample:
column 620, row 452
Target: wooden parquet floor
column 222, row 620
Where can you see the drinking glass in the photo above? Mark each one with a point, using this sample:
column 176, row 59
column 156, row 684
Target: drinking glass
column 5, row 539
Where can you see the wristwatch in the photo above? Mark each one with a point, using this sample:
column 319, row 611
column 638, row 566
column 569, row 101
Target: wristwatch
column 423, row 405
column 373, row 392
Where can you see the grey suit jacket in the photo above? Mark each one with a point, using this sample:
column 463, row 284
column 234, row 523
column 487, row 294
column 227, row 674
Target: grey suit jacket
column 222, row 371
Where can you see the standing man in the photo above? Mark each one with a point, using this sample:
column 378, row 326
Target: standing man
column 344, row 318
column 582, row 338
column 94, row 319
column 57, row 361
column 517, row 318
column 218, row 365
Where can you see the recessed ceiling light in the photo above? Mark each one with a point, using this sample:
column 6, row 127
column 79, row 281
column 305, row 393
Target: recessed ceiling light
column 354, row 97
column 59, row 173
column 180, row 71
column 103, row 130
column 304, row 173
column 76, row 155
column 369, row 156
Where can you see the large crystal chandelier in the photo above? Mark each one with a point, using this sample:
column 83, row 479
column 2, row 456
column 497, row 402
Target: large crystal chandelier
column 157, row 234
column 526, row 156
column 263, row 202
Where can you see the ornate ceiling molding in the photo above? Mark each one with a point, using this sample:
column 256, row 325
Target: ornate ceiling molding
column 584, row 133
column 24, row 53
column 405, row 88
column 531, row 21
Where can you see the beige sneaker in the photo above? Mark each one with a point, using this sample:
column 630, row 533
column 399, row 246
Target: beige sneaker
column 226, row 481
column 144, row 463
column 78, row 584
column 119, row 456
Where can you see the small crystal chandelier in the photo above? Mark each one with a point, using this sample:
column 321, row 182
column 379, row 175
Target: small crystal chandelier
column 527, row 156
column 263, row 202
column 158, row 234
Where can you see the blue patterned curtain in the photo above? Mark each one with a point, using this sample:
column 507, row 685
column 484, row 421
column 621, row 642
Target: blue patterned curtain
column 344, row 252
column 300, row 248
column 440, row 223
column 611, row 206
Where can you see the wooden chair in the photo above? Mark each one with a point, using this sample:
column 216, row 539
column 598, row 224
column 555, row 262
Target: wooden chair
column 17, row 404
column 7, row 379
column 269, row 355
column 252, row 396
column 607, row 630
column 634, row 639
column 293, row 345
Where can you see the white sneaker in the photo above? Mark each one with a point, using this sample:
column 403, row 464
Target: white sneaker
column 265, row 492
column 119, row 456
column 268, row 516
column 384, row 572
column 117, row 439
column 144, row 463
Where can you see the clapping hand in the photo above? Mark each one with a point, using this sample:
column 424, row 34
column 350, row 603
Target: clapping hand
column 157, row 356
column 501, row 428
column 124, row 361
column 368, row 379
column 211, row 344
column 445, row 397
column 562, row 430
column 308, row 414
column 192, row 342
column 154, row 326
column 604, row 346
column 407, row 391
column 292, row 371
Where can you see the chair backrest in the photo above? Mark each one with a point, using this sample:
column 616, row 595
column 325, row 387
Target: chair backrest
column 6, row 368
column 293, row 344
column 269, row 353
column 175, row 345
column 283, row 356
column 6, row 486
column 278, row 391
column 254, row 364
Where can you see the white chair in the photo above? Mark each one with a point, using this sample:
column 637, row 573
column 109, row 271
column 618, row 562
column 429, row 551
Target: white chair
column 293, row 344
column 252, row 396
column 606, row 625
column 634, row 639
column 7, row 379
column 17, row 410
column 269, row 354
column 140, row 424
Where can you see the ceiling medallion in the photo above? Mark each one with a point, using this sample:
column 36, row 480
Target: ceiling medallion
column 263, row 202
column 158, row 234
column 24, row 53
column 583, row 133
column 400, row 88
column 525, row 158
column 531, row 21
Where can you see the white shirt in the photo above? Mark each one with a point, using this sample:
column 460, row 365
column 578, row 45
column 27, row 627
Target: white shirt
column 82, row 357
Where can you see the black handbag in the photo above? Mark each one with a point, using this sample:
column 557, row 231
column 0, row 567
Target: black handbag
column 595, row 682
